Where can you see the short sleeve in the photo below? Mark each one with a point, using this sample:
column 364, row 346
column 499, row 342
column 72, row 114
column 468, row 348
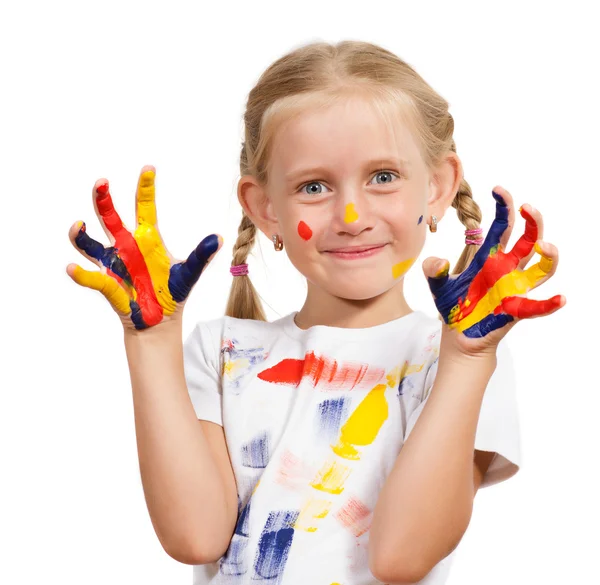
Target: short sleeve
column 202, row 374
column 498, row 428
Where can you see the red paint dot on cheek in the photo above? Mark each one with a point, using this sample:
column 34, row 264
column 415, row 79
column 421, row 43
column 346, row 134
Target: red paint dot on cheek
column 304, row 231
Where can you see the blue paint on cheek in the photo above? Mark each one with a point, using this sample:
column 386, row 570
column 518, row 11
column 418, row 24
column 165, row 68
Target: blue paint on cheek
column 420, row 220
column 274, row 544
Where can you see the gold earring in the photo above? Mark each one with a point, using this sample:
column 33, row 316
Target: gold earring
column 433, row 224
column 277, row 242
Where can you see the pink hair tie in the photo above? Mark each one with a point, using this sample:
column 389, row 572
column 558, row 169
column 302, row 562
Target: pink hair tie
column 476, row 241
column 239, row 269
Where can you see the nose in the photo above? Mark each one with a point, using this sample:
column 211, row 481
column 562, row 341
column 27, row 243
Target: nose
column 351, row 212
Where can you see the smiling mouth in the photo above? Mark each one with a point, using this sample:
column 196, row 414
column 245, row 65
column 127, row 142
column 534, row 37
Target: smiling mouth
column 354, row 254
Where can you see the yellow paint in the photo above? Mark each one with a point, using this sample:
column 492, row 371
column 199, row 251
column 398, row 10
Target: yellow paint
column 400, row 372
column 363, row 424
column 443, row 271
column 232, row 367
column 515, row 283
column 331, row 477
column 351, row 214
column 257, row 484
column 150, row 243
column 107, row 285
column 402, row 267
column 312, row 510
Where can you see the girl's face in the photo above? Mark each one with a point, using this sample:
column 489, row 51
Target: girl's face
column 342, row 178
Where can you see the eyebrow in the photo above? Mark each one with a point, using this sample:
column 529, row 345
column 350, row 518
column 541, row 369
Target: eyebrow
column 297, row 173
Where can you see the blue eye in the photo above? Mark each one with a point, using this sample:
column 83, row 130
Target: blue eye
column 320, row 183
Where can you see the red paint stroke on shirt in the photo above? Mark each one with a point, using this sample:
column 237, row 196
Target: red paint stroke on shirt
column 325, row 373
column 304, row 231
column 355, row 516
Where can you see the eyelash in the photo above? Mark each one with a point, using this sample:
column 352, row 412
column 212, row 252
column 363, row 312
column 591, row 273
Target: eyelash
column 319, row 181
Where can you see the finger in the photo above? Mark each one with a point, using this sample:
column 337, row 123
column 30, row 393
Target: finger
column 511, row 215
column 109, row 287
column 145, row 199
column 523, row 250
column 541, row 271
column 436, row 272
column 492, row 239
column 95, row 252
column 524, row 308
column 184, row 275
column 489, row 323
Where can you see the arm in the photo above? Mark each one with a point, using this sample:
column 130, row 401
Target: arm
column 186, row 474
column 425, row 505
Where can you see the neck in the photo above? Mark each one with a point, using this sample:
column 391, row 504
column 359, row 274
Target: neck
column 322, row 308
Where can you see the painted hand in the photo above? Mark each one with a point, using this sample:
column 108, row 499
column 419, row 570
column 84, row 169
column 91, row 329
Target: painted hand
column 142, row 281
column 485, row 300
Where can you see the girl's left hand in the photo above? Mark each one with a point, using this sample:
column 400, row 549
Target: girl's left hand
column 481, row 304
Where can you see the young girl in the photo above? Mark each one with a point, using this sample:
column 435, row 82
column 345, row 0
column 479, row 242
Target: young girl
column 301, row 469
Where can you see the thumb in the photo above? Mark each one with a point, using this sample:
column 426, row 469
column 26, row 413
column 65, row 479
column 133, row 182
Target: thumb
column 436, row 271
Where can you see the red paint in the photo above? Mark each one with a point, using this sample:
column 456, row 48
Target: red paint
column 355, row 516
column 304, row 231
column 498, row 265
column 324, row 373
column 152, row 312
column 523, row 308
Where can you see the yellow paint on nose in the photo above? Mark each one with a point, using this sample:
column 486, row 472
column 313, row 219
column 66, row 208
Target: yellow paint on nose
column 402, row 267
column 351, row 214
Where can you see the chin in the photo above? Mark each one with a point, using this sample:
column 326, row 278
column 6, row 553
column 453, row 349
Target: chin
column 357, row 291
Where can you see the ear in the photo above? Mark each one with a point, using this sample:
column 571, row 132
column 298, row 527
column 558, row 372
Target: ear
column 444, row 185
column 257, row 205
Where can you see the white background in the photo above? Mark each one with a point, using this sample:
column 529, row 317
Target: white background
column 91, row 90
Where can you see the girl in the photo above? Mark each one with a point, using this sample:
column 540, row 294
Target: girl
column 300, row 469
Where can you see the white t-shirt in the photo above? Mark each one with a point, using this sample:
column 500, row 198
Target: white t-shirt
column 314, row 420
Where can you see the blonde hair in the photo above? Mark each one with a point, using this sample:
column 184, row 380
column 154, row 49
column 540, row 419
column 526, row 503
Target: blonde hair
column 318, row 75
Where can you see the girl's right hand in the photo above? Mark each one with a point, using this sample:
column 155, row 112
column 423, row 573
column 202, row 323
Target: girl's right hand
column 142, row 281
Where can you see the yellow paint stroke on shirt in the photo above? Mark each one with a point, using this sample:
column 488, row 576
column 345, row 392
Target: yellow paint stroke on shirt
column 331, row 477
column 232, row 367
column 312, row 510
column 402, row 267
column 363, row 425
column 257, row 484
column 351, row 214
column 514, row 283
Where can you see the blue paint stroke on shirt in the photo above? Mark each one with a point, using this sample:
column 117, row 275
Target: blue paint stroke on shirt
column 274, row 545
column 255, row 453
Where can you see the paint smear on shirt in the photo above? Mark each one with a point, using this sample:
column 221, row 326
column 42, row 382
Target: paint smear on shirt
column 233, row 562
column 331, row 477
column 292, row 472
column 323, row 372
column 363, row 425
column 355, row 516
column 274, row 545
column 313, row 510
column 329, row 416
column 255, row 453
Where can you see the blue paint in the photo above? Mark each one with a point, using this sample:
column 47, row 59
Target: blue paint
column 487, row 324
column 255, row 453
column 274, row 545
column 234, row 562
column 420, row 220
column 329, row 416
column 448, row 289
column 184, row 275
column 108, row 257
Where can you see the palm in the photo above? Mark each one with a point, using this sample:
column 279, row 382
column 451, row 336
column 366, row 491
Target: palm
column 489, row 294
column 142, row 281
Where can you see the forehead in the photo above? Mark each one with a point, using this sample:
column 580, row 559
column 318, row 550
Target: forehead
column 342, row 135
